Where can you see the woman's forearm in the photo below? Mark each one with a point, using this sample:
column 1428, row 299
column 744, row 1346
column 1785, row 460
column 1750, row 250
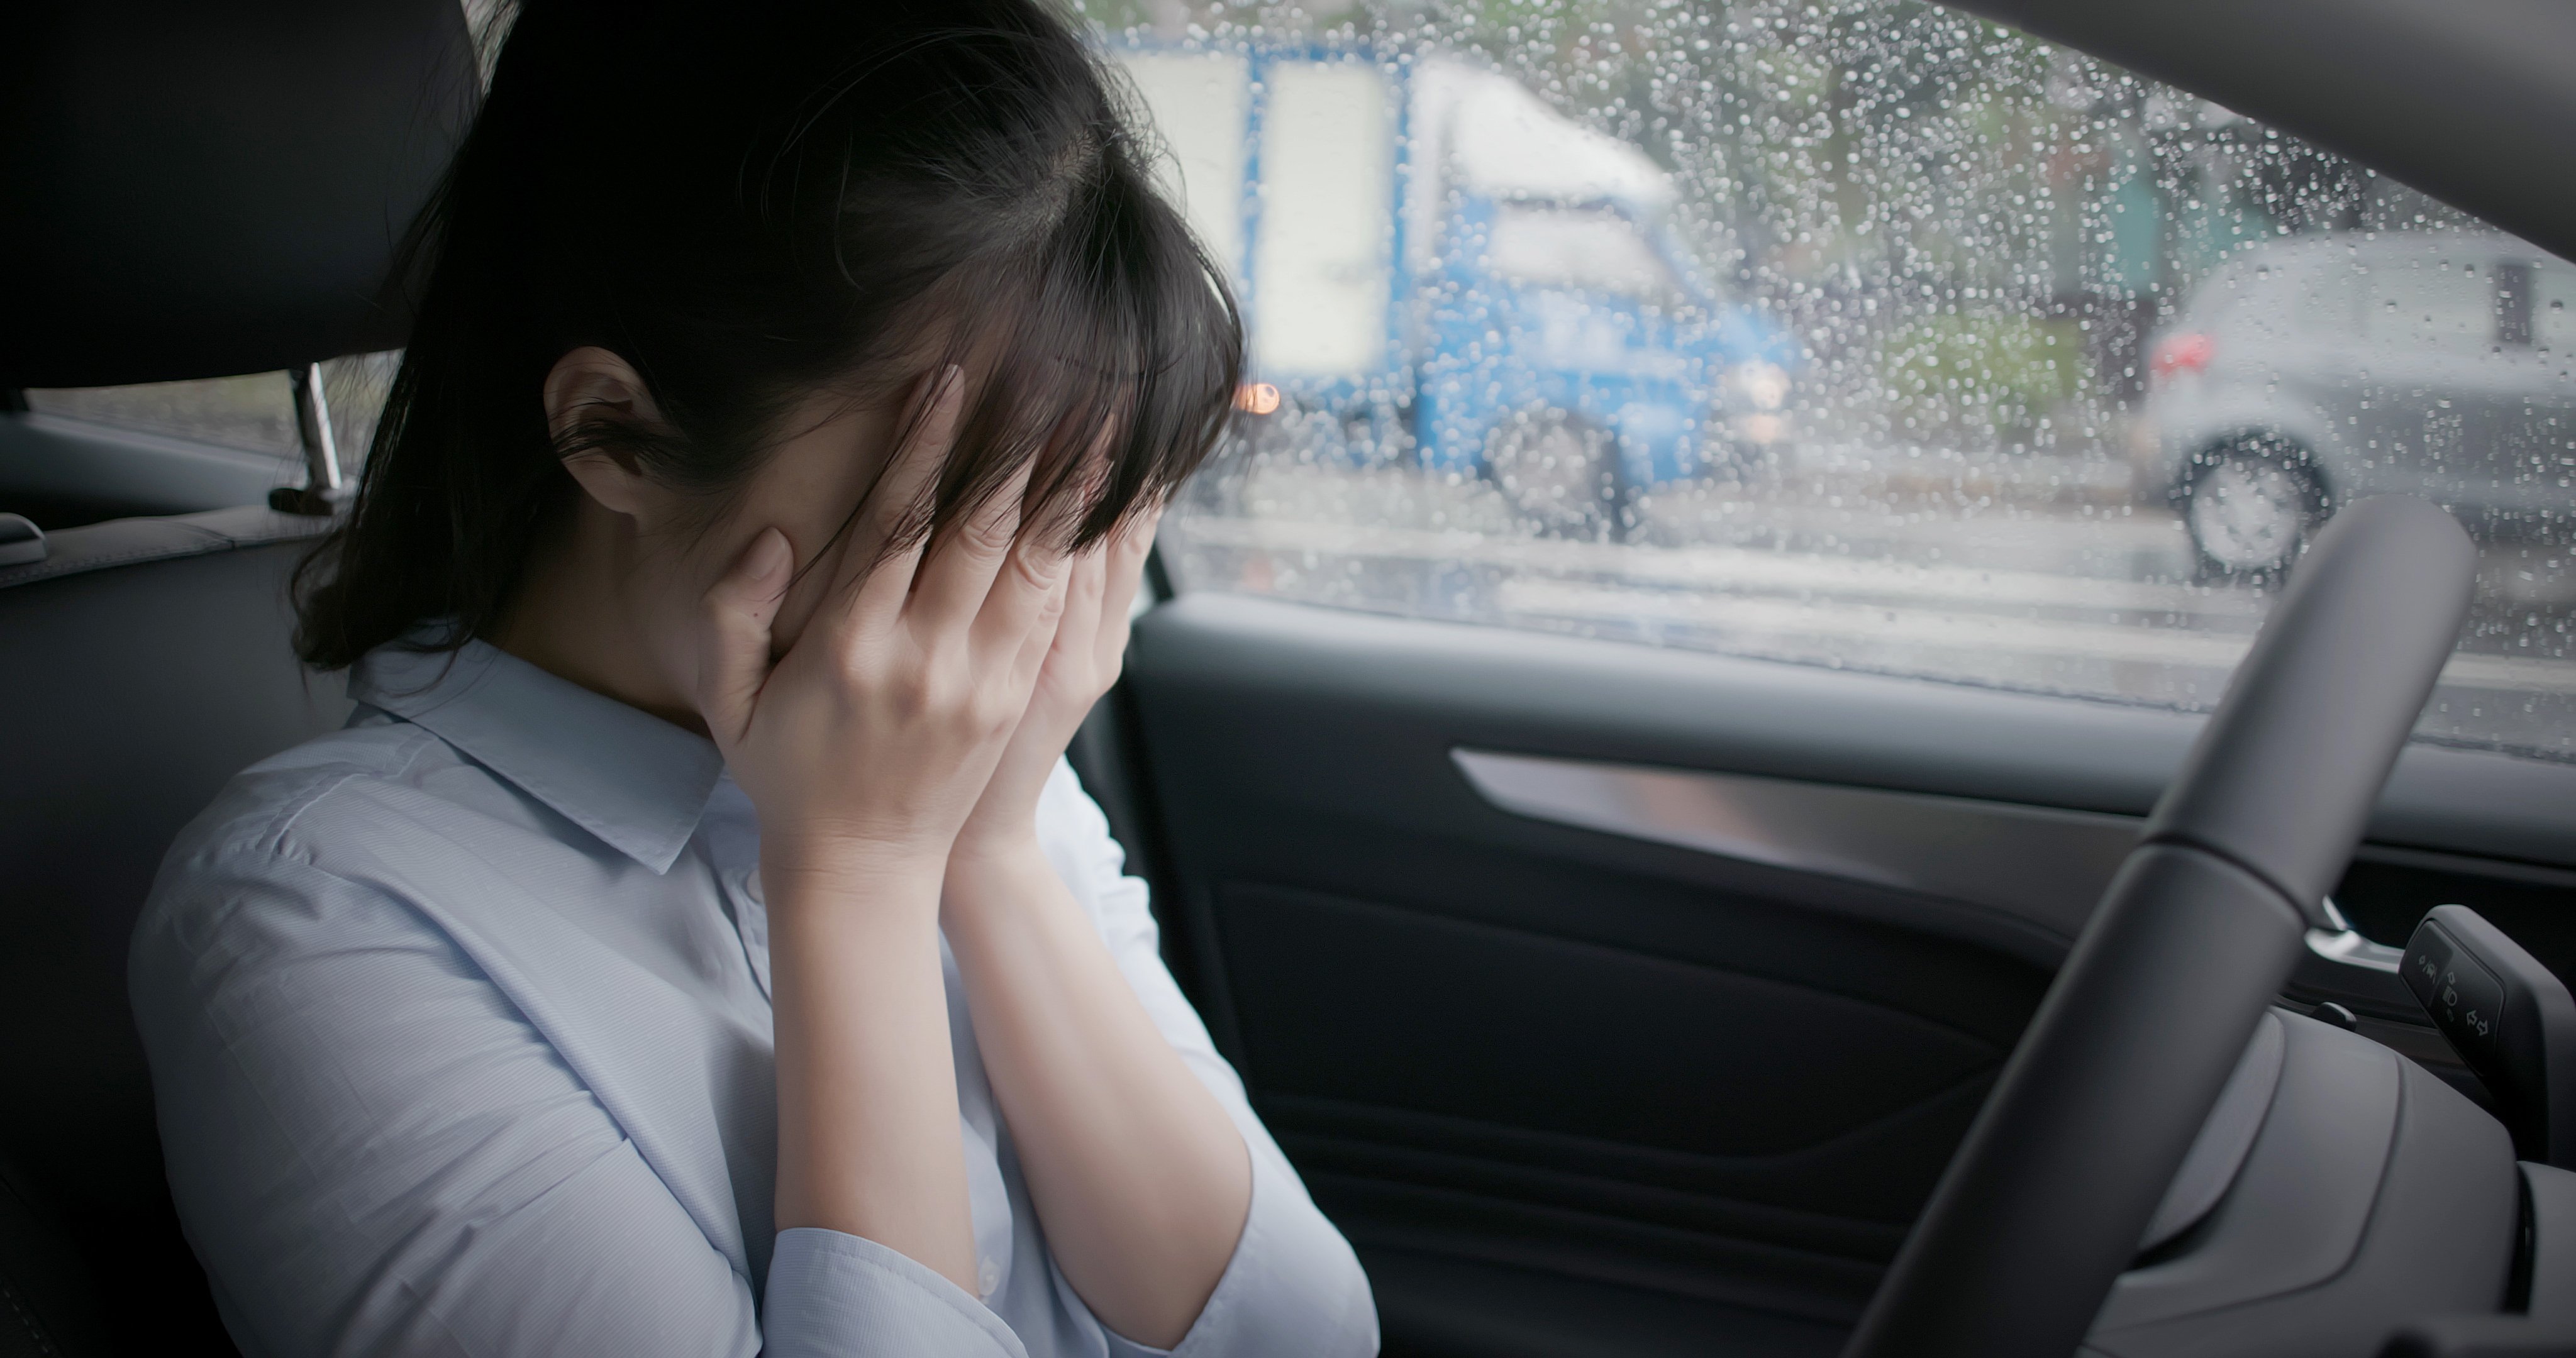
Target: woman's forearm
column 1138, row 1175
column 867, row 1091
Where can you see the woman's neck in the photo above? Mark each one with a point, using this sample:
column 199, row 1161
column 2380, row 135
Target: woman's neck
column 576, row 615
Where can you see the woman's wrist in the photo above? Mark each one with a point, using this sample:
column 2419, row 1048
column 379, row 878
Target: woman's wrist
column 850, row 875
column 984, row 874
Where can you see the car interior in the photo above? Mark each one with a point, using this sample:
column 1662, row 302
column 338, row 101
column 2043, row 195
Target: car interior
column 1613, row 999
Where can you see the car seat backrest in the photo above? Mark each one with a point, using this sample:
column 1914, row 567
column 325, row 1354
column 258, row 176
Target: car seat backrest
column 149, row 662
column 196, row 188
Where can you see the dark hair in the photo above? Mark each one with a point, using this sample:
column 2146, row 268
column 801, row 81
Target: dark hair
column 750, row 202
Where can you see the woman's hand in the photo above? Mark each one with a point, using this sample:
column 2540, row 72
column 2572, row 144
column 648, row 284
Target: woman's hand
column 1138, row 1173
column 863, row 749
column 866, row 745
column 1089, row 645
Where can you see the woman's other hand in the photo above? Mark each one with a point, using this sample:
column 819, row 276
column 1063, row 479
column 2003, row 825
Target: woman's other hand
column 1138, row 1173
column 1089, row 645
column 866, row 745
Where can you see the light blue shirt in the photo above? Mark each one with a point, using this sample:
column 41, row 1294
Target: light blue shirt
column 460, row 1037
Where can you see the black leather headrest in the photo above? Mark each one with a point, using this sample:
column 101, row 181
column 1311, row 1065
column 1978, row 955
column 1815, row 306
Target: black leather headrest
column 196, row 188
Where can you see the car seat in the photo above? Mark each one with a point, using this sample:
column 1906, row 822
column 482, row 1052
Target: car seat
column 196, row 189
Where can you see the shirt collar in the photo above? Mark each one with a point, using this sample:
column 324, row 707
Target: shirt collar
column 636, row 781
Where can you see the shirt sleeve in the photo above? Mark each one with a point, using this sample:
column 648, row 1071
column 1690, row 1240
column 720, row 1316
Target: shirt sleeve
column 1293, row 1289
column 375, row 1153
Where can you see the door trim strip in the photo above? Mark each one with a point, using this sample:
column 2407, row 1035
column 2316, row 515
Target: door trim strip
column 2040, row 864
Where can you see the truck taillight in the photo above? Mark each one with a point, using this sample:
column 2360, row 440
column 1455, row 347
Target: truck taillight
column 2180, row 354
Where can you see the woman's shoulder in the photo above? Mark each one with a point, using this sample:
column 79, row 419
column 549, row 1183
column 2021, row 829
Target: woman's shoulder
column 268, row 809
column 308, row 820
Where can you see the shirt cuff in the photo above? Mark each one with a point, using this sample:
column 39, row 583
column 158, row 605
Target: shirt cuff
column 1292, row 1290
column 836, row 1295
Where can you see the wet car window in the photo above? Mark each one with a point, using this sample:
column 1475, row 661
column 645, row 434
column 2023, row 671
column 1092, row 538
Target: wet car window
column 1585, row 249
column 1858, row 334
column 2553, row 289
column 2436, row 297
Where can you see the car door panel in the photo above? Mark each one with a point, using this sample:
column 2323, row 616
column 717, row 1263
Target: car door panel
column 1525, row 1050
column 1552, row 1034
column 1524, row 1098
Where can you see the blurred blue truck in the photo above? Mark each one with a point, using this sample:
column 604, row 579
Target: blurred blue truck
column 1439, row 267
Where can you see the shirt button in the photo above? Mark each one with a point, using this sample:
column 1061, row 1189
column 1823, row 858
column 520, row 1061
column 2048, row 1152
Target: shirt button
column 988, row 1276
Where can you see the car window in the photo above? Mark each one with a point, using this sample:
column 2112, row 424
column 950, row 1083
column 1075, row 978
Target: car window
column 2553, row 308
column 1586, row 249
column 1325, row 149
column 2020, row 370
column 253, row 413
column 2328, row 305
column 2434, row 297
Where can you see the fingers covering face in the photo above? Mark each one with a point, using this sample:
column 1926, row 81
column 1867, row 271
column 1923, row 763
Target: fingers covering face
column 878, row 588
column 1126, row 553
column 738, row 612
column 992, row 574
column 1078, row 631
column 965, row 574
column 1039, row 640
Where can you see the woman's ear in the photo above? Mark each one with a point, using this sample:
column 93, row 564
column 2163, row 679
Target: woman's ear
column 590, row 383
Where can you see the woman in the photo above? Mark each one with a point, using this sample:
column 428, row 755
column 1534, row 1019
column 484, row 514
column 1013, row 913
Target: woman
column 696, row 944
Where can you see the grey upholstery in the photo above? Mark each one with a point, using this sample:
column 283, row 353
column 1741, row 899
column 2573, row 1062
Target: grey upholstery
column 196, row 188
column 148, row 663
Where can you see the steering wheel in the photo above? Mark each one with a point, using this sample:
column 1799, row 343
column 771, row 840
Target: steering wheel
column 2053, row 1186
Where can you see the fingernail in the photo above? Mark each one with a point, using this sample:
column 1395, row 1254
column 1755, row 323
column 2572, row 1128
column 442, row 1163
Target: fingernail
column 768, row 555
